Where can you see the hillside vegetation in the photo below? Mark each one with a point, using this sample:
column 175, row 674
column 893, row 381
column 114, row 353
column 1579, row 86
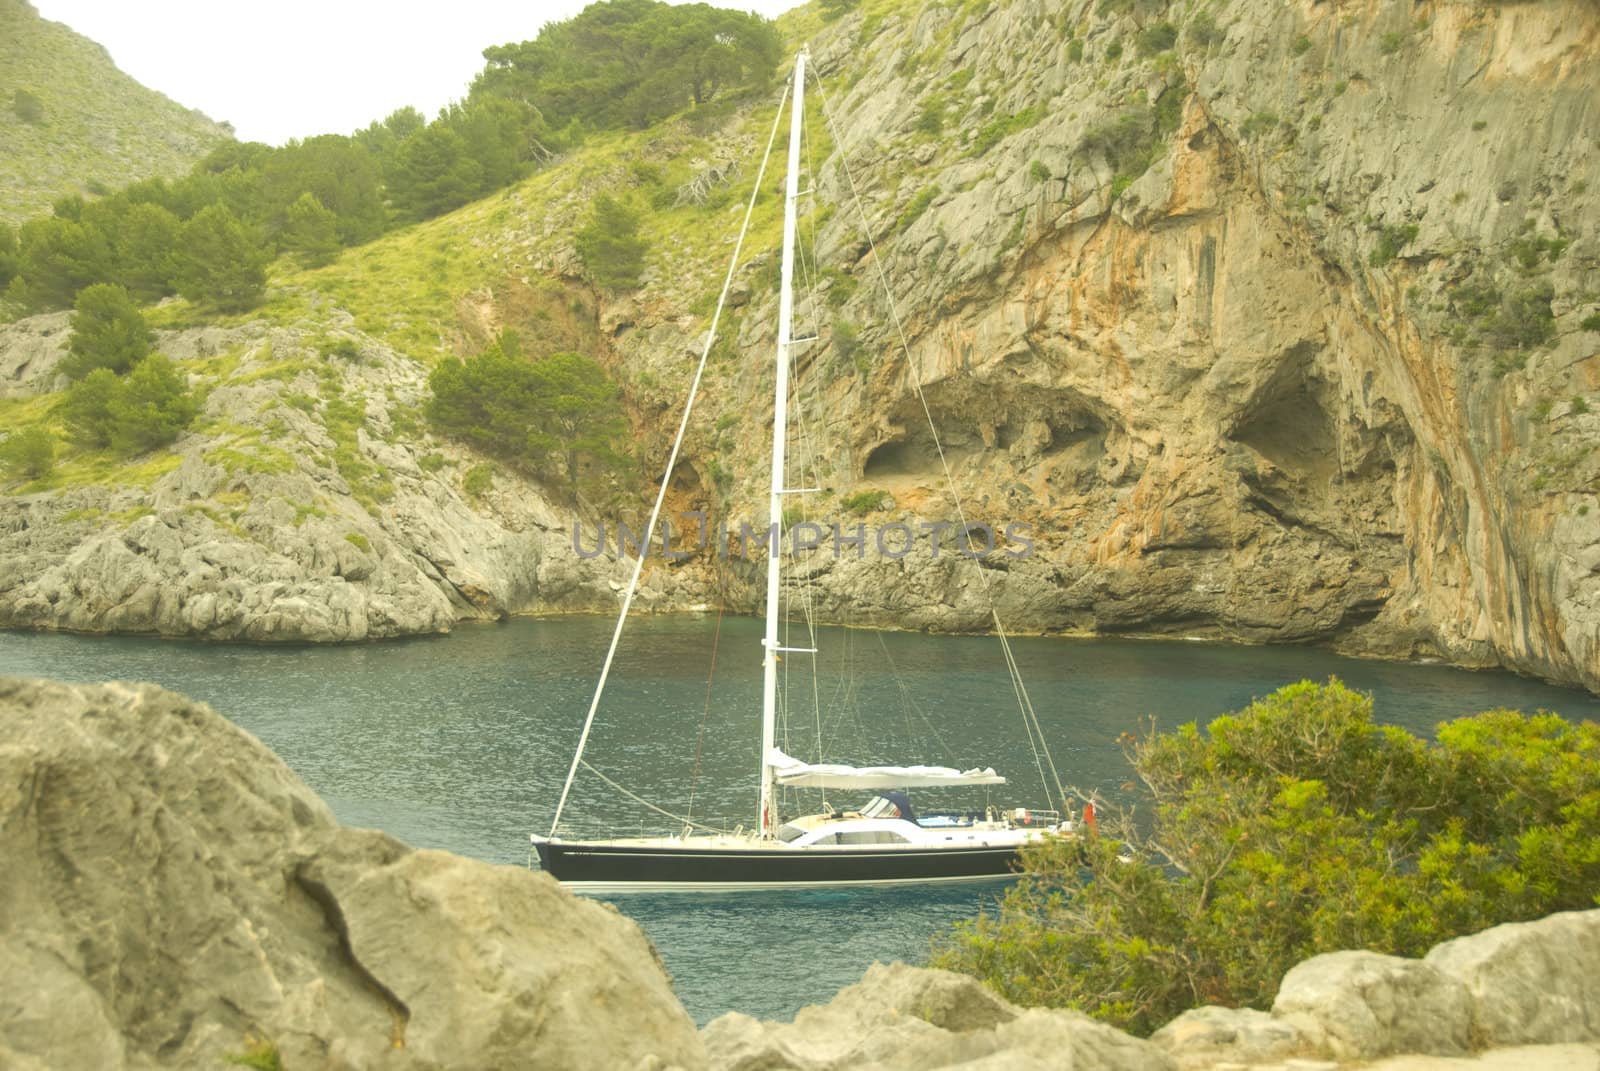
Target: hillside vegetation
column 71, row 123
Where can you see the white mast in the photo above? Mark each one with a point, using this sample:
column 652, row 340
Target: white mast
column 780, row 419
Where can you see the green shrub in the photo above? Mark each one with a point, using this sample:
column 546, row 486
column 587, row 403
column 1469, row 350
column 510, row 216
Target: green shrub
column 148, row 409
column 1001, row 127
column 1114, row 51
column 478, row 480
column 28, row 107
column 10, row 256
column 1390, row 43
column 1202, row 31
column 28, row 454
column 846, row 339
column 1579, row 405
column 868, row 500
column 1132, row 140
column 546, row 417
column 1291, row 828
column 1590, row 322
column 1038, row 172
column 1480, row 124
column 311, row 231
column 1259, row 123
column 1392, row 239
column 154, row 408
column 345, row 349
column 918, row 205
column 1155, row 38
column 1301, row 45
column 108, row 331
column 841, row 286
column 223, row 262
column 259, row 1054
column 359, row 541
column 432, row 462
column 1075, row 50
column 1530, row 251
column 610, row 246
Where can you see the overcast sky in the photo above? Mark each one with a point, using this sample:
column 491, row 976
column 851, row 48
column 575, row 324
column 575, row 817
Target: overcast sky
column 295, row 68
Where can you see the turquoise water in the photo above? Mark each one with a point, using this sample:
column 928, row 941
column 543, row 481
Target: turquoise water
column 462, row 742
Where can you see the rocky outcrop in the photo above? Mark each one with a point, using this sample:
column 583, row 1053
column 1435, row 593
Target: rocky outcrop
column 1514, row 996
column 173, row 894
column 307, row 506
column 900, row 1018
column 1519, row 984
column 1530, row 982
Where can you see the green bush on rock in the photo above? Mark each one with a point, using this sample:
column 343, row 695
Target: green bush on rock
column 147, row 409
column 108, row 331
column 1291, row 828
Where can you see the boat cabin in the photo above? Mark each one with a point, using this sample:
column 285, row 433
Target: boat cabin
column 888, row 818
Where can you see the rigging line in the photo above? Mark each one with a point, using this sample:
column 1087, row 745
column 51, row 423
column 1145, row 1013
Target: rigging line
column 711, row 675
column 1031, row 726
column 910, row 704
column 688, row 823
column 1029, row 712
column 672, row 461
column 916, row 382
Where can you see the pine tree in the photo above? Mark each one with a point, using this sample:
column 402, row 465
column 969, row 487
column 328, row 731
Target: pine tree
column 144, row 244
column 108, row 331
column 311, row 231
column 433, row 174
column 155, row 406
column 610, row 245
column 28, row 455
column 59, row 257
column 222, row 262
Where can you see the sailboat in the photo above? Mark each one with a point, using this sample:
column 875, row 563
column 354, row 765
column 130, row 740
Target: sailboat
column 885, row 840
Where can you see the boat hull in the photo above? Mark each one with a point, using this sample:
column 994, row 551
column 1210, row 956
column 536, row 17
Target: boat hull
column 611, row 867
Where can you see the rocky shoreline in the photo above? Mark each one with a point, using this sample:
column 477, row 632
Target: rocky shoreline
column 175, row 897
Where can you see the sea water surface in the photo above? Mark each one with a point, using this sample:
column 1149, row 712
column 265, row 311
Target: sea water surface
column 463, row 741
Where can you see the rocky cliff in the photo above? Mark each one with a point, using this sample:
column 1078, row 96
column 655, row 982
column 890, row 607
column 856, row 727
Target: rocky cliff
column 1275, row 325
column 304, row 507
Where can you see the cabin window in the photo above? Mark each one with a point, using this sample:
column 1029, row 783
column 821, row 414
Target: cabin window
column 871, row 836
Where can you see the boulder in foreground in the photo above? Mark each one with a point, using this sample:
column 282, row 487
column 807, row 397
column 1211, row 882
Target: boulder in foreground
column 172, row 894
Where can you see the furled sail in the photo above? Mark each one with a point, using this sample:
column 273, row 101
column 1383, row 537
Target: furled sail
column 791, row 771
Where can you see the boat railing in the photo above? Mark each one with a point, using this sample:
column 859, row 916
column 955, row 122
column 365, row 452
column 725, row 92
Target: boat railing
column 1028, row 816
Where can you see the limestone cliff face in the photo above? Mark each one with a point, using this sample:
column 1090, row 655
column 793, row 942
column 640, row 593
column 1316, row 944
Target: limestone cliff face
column 1324, row 370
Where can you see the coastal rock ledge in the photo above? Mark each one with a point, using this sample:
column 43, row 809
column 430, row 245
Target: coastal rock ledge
column 173, row 896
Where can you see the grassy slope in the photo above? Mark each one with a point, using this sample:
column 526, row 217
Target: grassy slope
column 413, row 288
column 100, row 127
